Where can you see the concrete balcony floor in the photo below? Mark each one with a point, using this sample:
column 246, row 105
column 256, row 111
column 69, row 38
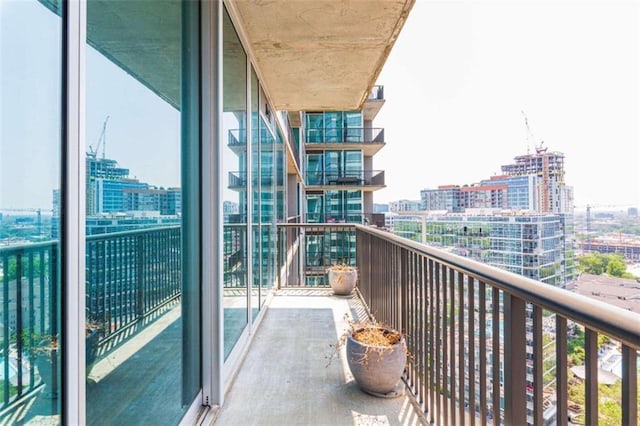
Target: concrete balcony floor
column 289, row 378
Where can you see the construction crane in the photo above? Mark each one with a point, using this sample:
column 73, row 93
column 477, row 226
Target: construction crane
column 102, row 140
column 539, row 149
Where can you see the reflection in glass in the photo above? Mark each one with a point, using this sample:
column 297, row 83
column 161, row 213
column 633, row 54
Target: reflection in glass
column 235, row 184
column 256, row 253
column 267, row 202
column 133, row 192
column 30, row 168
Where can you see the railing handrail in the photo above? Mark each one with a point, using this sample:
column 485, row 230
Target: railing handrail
column 608, row 319
column 131, row 232
column 39, row 245
column 365, row 135
column 27, row 246
column 318, row 225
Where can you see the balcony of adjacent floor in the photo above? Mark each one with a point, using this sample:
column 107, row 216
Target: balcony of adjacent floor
column 368, row 140
column 265, row 180
column 365, row 180
column 486, row 346
column 374, row 103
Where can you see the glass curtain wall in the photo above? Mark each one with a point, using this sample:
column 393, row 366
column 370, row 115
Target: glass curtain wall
column 30, row 201
column 235, row 185
column 268, row 200
column 334, row 127
column 134, row 338
column 256, row 137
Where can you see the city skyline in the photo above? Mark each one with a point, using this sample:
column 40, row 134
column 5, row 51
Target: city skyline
column 453, row 115
column 454, row 112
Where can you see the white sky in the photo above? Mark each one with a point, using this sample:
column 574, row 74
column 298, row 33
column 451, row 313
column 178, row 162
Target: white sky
column 461, row 73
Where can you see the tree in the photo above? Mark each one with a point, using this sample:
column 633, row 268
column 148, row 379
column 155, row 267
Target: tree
column 599, row 263
column 616, row 268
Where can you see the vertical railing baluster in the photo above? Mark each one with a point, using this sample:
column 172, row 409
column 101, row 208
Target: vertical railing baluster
column 31, row 309
column 471, row 329
column 538, row 365
column 432, row 345
column 19, row 322
column 5, row 328
column 482, row 362
column 445, row 346
column 496, row 394
column 438, row 344
column 629, row 386
column 409, row 316
column 561, row 371
column 111, row 283
column 591, row 377
column 452, row 344
column 421, row 363
column 515, row 383
column 139, row 278
column 461, row 347
column 120, row 277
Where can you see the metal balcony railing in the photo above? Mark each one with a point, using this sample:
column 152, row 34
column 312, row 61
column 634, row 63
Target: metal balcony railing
column 130, row 277
column 474, row 332
column 238, row 180
column 306, row 250
column 353, row 135
column 479, row 336
column 377, row 93
column 347, row 177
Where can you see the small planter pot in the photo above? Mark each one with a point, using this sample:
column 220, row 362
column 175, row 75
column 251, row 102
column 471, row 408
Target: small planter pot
column 377, row 369
column 343, row 280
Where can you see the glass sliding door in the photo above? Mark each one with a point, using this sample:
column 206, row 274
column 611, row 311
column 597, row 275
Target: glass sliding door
column 353, row 126
column 30, row 212
column 134, row 316
column 267, row 208
column 257, row 136
column 315, row 169
column 353, row 166
column 315, row 127
column 333, row 125
column 236, row 185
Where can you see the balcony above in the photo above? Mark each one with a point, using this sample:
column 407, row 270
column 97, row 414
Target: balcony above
column 238, row 181
column 369, row 140
column 366, row 180
column 374, row 102
column 320, row 55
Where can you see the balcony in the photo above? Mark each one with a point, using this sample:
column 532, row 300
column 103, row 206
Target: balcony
column 374, row 102
column 366, row 180
column 238, row 181
column 369, row 140
column 480, row 337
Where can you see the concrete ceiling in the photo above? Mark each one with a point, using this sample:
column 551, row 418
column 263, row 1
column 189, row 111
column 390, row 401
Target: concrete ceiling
column 320, row 54
column 310, row 54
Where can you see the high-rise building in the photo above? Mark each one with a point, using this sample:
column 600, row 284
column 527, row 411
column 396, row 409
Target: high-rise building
column 551, row 191
column 339, row 150
column 535, row 183
column 339, row 147
column 538, row 246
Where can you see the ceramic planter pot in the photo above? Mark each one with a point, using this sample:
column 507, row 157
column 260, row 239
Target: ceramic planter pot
column 343, row 281
column 377, row 369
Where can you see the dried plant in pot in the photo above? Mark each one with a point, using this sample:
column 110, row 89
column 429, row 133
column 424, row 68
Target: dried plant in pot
column 343, row 279
column 377, row 357
column 46, row 360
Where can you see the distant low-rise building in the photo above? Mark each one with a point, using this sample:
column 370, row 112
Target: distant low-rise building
column 404, row 206
column 621, row 292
